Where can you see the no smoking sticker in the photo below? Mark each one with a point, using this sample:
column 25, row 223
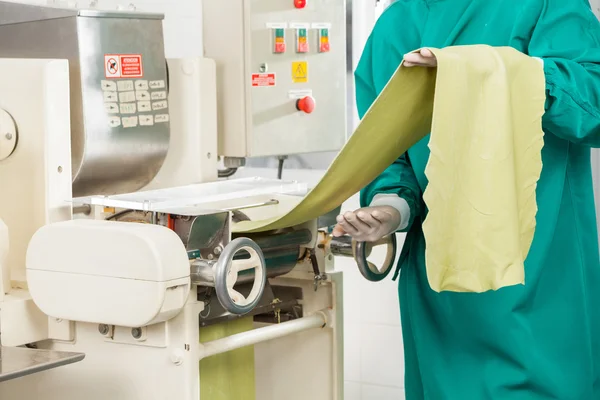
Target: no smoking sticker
column 259, row 80
column 123, row 66
column 112, row 66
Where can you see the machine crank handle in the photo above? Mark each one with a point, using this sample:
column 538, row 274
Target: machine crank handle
column 345, row 246
column 226, row 275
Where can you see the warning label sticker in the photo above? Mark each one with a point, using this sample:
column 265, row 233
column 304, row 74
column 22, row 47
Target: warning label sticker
column 123, row 66
column 259, row 80
column 300, row 72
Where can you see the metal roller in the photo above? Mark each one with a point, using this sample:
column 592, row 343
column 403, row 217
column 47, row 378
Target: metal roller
column 281, row 253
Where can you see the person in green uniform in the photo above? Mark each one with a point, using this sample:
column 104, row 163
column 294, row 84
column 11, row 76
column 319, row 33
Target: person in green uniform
column 535, row 341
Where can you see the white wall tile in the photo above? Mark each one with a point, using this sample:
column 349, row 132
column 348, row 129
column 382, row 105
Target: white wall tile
column 381, row 306
column 352, row 391
column 353, row 290
column 382, row 355
column 352, row 353
column 372, row 392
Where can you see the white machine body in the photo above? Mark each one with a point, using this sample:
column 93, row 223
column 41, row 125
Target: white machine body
column 4, row 268
column 112, row 266
column 148, row 283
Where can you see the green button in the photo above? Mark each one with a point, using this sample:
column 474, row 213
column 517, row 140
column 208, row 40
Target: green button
column 325, row 32
column 302, row 32
column 193, row 254
column 279, row 32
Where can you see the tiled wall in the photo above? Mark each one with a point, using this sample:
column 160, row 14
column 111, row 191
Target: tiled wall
column 374, row 367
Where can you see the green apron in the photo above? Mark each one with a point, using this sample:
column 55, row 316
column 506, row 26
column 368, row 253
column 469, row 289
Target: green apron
column 532, row 342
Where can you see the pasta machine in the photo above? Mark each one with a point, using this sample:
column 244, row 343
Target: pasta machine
column 116, row 240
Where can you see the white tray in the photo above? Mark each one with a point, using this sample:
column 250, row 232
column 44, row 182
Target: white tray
column 194, row 196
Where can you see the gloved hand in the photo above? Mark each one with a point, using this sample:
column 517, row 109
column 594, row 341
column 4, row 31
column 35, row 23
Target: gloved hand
column 368, row 224
column 423, row 58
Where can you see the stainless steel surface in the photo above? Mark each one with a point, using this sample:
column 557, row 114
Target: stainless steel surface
column 202, row 272
column 17, row 362
column 282, row 240
column 204, row 233
column 16, row 13
column 105, row 159
column 120, row 14
column 234, row 162
column 103, row 329
column 281, row 252
column 85, row 209
column 277, row 261
column 342, row 246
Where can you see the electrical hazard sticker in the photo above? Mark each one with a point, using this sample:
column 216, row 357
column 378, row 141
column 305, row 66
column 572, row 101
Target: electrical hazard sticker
column 259, row 80
column 300, row 72
column 123, row 66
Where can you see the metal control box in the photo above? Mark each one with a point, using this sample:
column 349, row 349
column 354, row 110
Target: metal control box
column 281, row 75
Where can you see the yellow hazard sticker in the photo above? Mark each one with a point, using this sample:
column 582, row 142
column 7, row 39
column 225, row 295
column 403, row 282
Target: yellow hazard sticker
column 300, row 72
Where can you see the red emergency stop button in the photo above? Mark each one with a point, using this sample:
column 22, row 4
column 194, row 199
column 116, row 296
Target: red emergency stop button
column 299, row 3
column 306, row 104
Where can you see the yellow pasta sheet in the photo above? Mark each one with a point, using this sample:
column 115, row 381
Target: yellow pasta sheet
column 228, row 376
column 483, row 107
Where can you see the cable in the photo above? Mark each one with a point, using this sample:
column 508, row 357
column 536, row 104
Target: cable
column 226, row 173
column 119, row 214
column 280, row 166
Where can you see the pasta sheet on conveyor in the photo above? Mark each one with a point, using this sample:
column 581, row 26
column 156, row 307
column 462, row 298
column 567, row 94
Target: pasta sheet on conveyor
column 483, row 107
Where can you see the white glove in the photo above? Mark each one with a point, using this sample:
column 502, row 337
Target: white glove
column 368, row 224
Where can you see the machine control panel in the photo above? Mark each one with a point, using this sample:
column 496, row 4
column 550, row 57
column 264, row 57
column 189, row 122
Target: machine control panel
column 132, row 103
column 274, row 64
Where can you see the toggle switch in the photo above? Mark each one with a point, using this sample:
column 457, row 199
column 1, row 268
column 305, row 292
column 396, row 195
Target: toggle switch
column 306, row 104
column 279, row 40
column 324, row 40
column 301, row 40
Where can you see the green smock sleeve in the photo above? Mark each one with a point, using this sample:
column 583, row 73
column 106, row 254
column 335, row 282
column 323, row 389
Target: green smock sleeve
column 567, row 38
column 399, row 178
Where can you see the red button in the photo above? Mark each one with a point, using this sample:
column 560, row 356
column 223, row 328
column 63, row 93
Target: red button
column 279, row 47
column 306, row 104
column 302, row 47
column 299, row 3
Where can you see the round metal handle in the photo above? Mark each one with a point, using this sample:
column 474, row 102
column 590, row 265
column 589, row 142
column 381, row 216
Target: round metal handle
column 226, row 275
column 370, row 270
